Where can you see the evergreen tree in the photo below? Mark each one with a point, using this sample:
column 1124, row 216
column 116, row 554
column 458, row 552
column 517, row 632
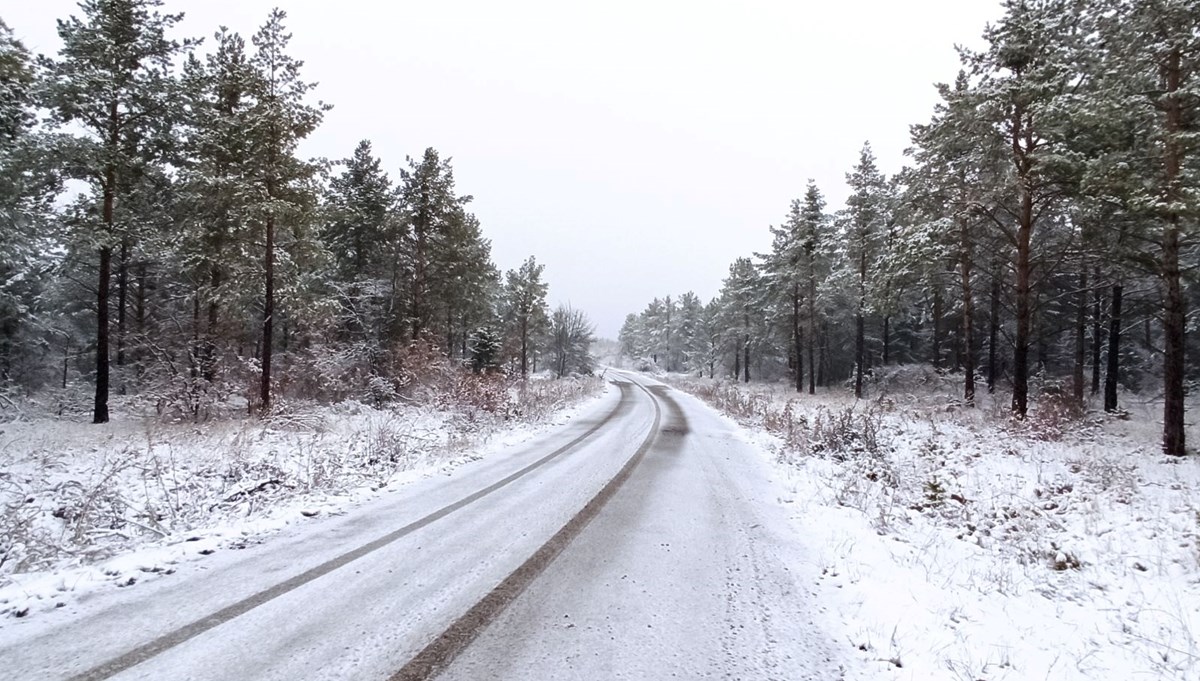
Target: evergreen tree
column 26, row 232
column 1152, row 78
column 866, row 213
column 112, row 81
column 282, row 191
column 526, row 313
column 1023, row 74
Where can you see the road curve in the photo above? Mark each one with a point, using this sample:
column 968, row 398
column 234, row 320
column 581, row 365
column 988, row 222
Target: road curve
column 355, row 596
column 640, row 541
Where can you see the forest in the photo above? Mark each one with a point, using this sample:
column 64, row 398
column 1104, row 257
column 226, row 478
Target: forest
column 164, row 242
column 1039, row 241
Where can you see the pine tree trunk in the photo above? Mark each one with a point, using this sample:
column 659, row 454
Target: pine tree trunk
column 1097, row 329
column 812, row 334
column 122, row 303
column 968, row 316
column 798, row 338
column 140, row 308
column 823, row 361
column 1114, row 351
column 100, row 407
column 524, row 348
column 887, row 339
column 746, row 359
column 993, row 330
column 937, row 327
column 268, row 322
column 1022, row 143
column 209, row 364
column 1080, row 337
column 1174, row 312
column 859, row 352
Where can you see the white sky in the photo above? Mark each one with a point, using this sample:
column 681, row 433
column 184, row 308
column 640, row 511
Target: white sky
column 636, row 148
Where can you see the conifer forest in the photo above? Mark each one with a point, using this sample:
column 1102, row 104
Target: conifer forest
column 1040, row 240
column 637, row 340
column 163, row 240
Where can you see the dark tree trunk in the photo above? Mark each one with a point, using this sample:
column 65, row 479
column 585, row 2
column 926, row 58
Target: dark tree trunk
column 746, row 360
column 100, row 408
column 993, row 330
column 1022, row 143
column 823, row 360
column 1114, row 351
column 1174, row 328
column 887, row 339
column 1020, row 399
column 798, row 339
column 1080, row 337
column 1097, row 330
column 813, row 327
column 968, row 316
column 268, row 328
column 140, row 303
column 524, row 349
column 937, row 327
column 122, row 304
column 859, row 353
column 196, row 356
column 213, row 332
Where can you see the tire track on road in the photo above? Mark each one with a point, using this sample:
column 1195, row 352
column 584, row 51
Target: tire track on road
column 441, row 652
column 187, row 632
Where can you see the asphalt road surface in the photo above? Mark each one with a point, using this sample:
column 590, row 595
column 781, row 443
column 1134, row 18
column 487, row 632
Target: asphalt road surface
column 643, row 540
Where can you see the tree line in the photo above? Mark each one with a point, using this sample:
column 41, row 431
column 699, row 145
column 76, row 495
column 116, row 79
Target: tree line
column 162, row 237
column 1041, row 237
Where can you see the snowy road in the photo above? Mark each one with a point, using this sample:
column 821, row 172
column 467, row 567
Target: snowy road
column 641, row 541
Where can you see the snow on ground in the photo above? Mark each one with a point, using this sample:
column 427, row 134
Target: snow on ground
column 84, row 507
column 957, row 544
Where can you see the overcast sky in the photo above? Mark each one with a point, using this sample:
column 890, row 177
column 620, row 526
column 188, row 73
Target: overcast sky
column 635, row 147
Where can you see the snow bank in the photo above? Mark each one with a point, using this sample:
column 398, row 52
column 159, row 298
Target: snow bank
column 957, row 544
column 85, row 507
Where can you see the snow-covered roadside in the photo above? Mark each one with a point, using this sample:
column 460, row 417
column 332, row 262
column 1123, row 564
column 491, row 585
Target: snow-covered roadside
column 80, row 512
column 957, row 545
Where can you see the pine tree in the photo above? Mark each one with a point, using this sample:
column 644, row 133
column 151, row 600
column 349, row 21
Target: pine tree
column 430, row 209
column 1023, row 74
column 279, row 120
column 742, row 301
column 526, row 313
column 26, row 233
column 217, row 192
column 866, row 215
column 112, row 80
column 782, row 270
column 1152, row 76
column 364, row 237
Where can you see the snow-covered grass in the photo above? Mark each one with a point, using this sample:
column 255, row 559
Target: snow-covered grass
column 84, row 506
column 958, row 544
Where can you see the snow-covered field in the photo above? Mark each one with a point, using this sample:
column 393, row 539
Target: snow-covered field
column 957, row 544
column 84, row 507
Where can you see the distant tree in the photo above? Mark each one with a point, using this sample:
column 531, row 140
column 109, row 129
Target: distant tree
column 742, row 301
column 865, row 221
column 571, row 337
column 485, row 346
column 525, row 309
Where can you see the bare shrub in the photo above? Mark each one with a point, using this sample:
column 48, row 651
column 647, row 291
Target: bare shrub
column 1055, row 414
